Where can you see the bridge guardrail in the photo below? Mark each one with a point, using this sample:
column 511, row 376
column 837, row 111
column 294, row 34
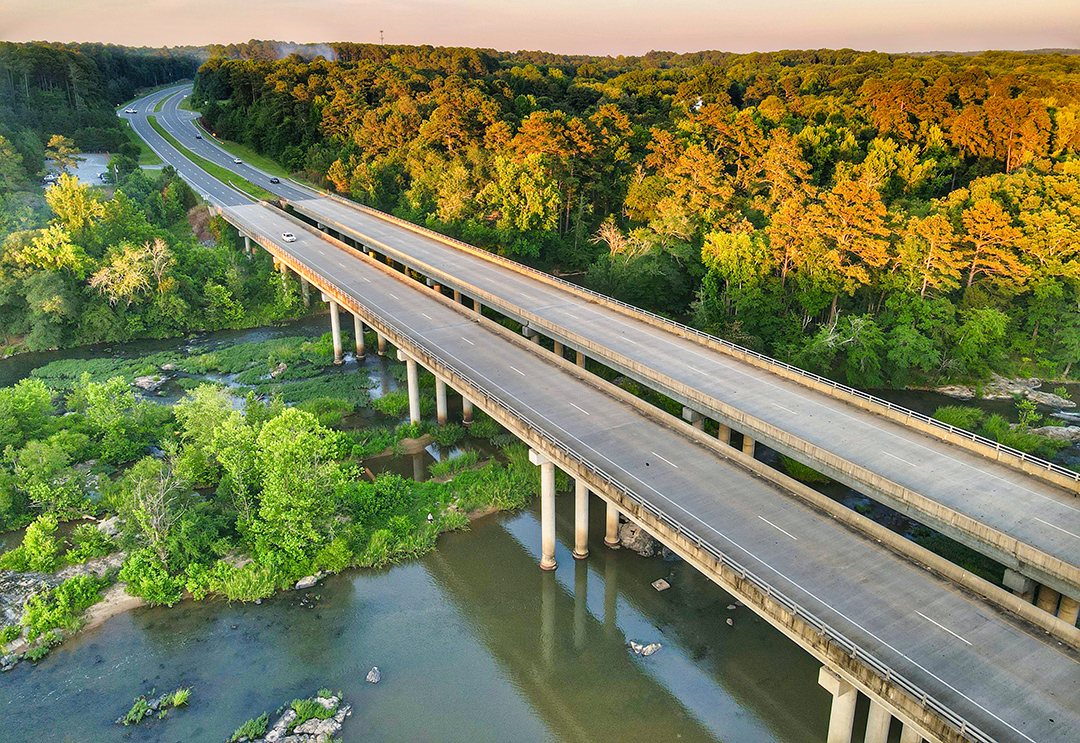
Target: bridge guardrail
column 833, row 636
column 731, row 348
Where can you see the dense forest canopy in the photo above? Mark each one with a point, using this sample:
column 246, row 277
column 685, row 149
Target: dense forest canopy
column 882, row 218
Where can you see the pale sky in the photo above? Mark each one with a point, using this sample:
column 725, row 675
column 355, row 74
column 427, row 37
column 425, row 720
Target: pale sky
column 566, row 26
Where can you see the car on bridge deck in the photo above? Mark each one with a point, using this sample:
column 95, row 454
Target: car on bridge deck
column 237, row 160
column 198, row 136
column 288, row 237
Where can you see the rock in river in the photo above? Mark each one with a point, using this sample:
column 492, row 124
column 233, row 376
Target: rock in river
column 374, row 676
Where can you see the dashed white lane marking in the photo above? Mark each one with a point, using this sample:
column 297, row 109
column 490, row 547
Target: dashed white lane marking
column 467, row 341
column 666, row 460
column 787, row 409
column 694, row 368
column 583, row 410
column 784, row 531
column 516, row 369
column 429, row 317
column 1053, row 526
column 395, row 296
column 941, row 626
column 910, row 464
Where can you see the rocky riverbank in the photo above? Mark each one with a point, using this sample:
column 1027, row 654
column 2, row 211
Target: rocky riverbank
column 1002, row 388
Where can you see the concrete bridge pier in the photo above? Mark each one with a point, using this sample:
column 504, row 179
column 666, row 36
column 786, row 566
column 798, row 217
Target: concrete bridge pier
column 358, row 334
column 842, row 714
column 581, row 520
column 466, row 410
column 440, row 401
column 877, row 724
column 382, row 343
column 457, row 296
column 547, row 509
column 413, row 376
column 579, row 359
column 747, row 445
column 247, row 245
column 335, row 328
column 696, row 419
column 305, row 291
column 558, row 348
column 723, row 433
column 611, row 536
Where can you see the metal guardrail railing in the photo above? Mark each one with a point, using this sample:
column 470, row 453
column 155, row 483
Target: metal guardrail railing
column 965, row 728
column 711, row 339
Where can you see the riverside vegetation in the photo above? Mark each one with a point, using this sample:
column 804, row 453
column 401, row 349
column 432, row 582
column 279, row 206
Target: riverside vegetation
column 221, row 494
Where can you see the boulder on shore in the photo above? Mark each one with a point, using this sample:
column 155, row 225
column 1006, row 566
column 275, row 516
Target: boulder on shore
column 1059, row 433
column 306, row 582
column 1002, row 388
column 633, row 537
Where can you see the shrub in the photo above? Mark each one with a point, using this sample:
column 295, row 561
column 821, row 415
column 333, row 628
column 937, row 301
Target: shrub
column 372, row 441
column 393, row 404
column 62, row 607
column 40, row 544
column 139, row 711
column 960, row 416
column 448, row 435
column 484, row 426
column 44, row 647
column 252, row 729
column 334, row 557
column 453, row 465
column 90, row 542
column 149, row 578
column 178, row 697
column 328, row 410
column 251, row 582
column 10, row 633
column 801, row 472
column 15, row 559
column 310, row 709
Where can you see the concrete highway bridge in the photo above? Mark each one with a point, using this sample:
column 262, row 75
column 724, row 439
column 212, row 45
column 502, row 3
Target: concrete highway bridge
column 942, row 655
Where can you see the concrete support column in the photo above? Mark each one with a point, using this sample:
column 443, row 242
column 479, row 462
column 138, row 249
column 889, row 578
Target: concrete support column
column 611, row 534
column 547, row 509
column 1047, row 599
column 457, row 296
column 535, row 338
column 558, row 349
column 437, row 288
column 371, row 254
column 305, row 291
column 413, row 376
column 358, row 334
column 844, row 697
column 335, row 329
column 1068, row 610
column 466, row 410
column 440, row 401
column 696, row 419
column 877, row 724
column 382, row 344
column 723, row 433
column 909, row 734
column 247, row 245
column 477, row 306
column 581, row 520
column 747, row 445
column 580, row 359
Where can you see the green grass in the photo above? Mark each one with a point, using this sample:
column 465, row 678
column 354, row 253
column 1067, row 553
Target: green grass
column 250, row 156
column 222, row 174
column 185, row 104
column 253, row 728
column 160, row 105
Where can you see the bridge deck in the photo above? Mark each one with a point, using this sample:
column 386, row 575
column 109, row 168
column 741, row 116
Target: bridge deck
column 991, row 671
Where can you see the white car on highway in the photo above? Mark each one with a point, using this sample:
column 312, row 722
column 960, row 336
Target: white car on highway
column 288, row 237
column 131, row 111
column 237, row 160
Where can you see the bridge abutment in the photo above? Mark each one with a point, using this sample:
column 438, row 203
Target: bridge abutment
column 696, row 419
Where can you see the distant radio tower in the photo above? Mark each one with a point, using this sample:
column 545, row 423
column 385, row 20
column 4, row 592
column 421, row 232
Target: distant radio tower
column 380, row 37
